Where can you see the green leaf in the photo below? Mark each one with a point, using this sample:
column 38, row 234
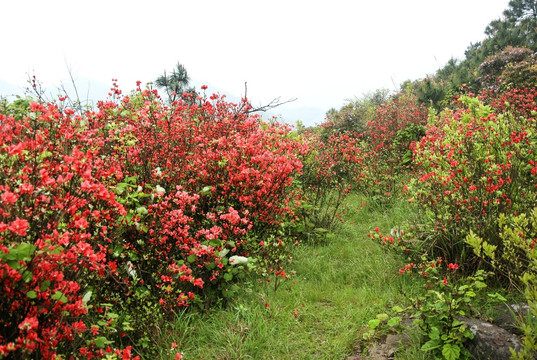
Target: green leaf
column 382, row 317
column 101, row 342
column 434, row 334
column 58, row 295
column 44, row 285
column 215, row 243
column 113, row 315
column 131, row 179
column 470, row 294
column 430, row 345
column 497, row 296
column 31, row 294
column 120, row 188
column 27, row 276
column 142, row 210
column 191, row 258
column 451, row 352
column 237, row 260
column 87, row 297
column 14, row 264
column 23, row 252
column 228, row 276
column 373, row 324
column 394, row 321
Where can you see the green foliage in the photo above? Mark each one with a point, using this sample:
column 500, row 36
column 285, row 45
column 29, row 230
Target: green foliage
column 529, row 326
column 176, row 83
column 384, row 324
column 437, row 310
column 519, row 262
column 403, row 141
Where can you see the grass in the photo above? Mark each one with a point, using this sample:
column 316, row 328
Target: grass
column 320, row 313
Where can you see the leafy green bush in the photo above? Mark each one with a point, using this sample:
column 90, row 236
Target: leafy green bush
column 518, row 261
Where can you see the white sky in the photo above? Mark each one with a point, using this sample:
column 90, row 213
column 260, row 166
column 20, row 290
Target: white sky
column 321, row 52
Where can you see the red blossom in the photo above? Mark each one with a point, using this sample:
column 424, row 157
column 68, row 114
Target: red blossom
column 9, row 198
column 18, row 227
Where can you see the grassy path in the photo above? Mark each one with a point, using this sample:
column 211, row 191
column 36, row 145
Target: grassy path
column 319, row 314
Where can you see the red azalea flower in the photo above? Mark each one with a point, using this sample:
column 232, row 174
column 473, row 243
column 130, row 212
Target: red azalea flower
column 18, row 227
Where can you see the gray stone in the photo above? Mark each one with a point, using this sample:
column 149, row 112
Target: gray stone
column 490, row 341
column 511, row 316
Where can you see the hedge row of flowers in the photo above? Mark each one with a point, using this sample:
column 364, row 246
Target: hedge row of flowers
column 113, row 219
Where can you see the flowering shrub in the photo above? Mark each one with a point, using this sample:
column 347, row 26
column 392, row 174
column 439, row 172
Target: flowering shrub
column 56, row 214
column 396, row 125
column 474, row 165
column 445, row 297
column 329, row 168
column 511, row 66
column 518, row 101
column 111, row 219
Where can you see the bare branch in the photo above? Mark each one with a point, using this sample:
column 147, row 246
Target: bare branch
column 77, row 103
column 274, row 103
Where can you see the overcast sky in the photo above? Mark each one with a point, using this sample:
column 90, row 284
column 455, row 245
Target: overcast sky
column 321, row 52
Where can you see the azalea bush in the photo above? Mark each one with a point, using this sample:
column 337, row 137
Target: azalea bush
column 438, row 310
column 57, row 213
column 236, row 172
column 445, row 297
column 329, row 169
column 517, row 101
column 112, row 219
column 475, row 163
column 395, row 126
